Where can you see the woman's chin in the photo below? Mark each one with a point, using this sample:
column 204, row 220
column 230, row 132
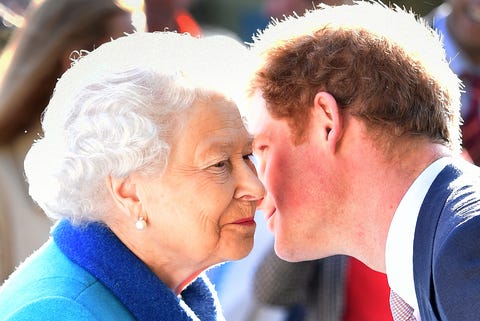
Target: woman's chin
column 241, row 252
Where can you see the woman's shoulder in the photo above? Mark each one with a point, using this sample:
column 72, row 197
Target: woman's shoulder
column 48, row 286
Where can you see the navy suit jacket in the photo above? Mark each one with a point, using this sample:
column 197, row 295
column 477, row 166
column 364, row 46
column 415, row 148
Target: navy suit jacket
column 446, row 259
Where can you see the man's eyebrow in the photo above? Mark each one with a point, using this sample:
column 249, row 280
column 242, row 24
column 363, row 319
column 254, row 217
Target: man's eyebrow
column 250, row 140
column 260, row 136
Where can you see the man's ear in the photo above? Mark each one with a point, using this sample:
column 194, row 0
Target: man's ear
column 328, row 116
column 124, row 194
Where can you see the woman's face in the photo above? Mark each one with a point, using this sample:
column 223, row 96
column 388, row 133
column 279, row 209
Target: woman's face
column 200, row 212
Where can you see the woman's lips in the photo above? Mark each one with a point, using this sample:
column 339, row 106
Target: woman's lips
column 245, row 221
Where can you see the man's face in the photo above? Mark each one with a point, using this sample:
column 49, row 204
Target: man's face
column 299, row 202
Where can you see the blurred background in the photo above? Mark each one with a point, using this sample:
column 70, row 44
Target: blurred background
column 242, row 18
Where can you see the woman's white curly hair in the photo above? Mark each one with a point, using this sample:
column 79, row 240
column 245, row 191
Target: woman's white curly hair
column 115, row 111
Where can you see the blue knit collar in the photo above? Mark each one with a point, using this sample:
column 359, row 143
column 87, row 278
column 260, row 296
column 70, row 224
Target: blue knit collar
column 95, row 248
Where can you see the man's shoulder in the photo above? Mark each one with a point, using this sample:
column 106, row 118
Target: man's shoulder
column 458, row 174
column 462, row 206
column 452, row 200
column 455, row 260
column 460, row 183
column 465, row 186
column 446, row 249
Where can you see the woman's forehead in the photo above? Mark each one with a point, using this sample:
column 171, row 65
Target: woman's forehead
column 213, row 125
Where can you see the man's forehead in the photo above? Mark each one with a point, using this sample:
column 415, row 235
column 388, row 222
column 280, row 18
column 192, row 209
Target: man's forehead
column 256, row 114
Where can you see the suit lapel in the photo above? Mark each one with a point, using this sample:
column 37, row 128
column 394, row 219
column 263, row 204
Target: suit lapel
column 425, row 232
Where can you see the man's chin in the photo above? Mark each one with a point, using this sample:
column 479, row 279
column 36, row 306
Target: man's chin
column 271, row 226
column 271, row 223
column 287, row 253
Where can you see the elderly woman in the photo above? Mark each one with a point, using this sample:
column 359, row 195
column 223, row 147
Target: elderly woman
column 145, row 163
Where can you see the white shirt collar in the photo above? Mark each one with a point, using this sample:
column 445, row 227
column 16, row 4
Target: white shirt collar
column 399, row 246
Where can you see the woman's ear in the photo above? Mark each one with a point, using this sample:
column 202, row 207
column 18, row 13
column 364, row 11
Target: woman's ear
column 124, row 194
column 329, row 118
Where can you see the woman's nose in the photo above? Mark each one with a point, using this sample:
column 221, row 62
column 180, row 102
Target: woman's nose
column 249, row 187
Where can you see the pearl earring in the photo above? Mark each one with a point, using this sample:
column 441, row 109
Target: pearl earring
column 141, row 224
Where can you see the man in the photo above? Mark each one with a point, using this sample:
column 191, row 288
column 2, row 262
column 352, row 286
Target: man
column 355, row 113
column 331, row 289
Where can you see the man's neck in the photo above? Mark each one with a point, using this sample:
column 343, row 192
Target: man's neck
column 380, row 188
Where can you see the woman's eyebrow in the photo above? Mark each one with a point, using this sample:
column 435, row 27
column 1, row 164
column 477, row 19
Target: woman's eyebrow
column 216, row 145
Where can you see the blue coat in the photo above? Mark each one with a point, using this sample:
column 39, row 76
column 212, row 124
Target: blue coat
column 88, row 274
column 446, row 260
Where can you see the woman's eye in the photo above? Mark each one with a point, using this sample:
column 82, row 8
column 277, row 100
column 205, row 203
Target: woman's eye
column 250, row 158
column 220, row 164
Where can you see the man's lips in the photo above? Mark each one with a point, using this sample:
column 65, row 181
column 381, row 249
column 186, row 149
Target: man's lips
column 270, row 214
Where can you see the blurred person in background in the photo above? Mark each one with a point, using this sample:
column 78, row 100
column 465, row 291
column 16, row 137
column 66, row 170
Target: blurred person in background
column 279, row 8
column 146, row 165
column 458, row 21
column 37, row 54
column 253, row 21
column 172, row 15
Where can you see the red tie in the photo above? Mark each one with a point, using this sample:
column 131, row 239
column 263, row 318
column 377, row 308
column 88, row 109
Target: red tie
column 401, row 311
column 471, row 124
